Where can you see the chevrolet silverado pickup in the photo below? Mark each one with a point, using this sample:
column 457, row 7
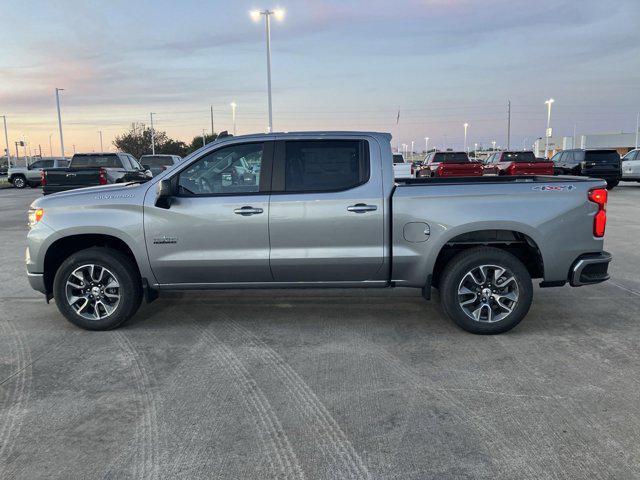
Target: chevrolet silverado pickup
column 88, row 169
column 316, row 209
column 517, row 163
column 449, row 164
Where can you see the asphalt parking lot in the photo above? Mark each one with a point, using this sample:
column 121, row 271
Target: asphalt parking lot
column 323, row 384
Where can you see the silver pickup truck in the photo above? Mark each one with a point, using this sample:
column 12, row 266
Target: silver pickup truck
column 316, row 209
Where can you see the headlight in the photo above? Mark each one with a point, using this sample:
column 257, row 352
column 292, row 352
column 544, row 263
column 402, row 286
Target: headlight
column 35, row 215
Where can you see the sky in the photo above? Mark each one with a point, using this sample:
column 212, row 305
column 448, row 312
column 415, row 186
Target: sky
column 336, row 65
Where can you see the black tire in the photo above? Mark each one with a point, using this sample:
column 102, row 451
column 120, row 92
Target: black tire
column 463, row 263
column 117, row 264
column 611, row 184
column 19, row 181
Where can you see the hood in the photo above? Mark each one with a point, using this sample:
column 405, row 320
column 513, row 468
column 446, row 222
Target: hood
column 92, row 195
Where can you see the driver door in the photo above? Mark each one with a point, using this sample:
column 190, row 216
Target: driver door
column 216, row 229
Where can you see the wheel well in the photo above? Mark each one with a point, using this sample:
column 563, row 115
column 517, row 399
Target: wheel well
column 516, row 243
column 61, row 249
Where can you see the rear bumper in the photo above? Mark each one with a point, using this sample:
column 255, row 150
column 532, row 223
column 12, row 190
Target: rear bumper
column 589, row 269
column 36, row 280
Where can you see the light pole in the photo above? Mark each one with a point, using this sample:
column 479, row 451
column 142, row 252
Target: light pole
column 212, row 131
column 475, row 149
column 279, row 15
column 58, row 90
column 153, row 136
column 637, row 127
column 100, row 133
column 50, row 147
column 493, row 144
column 466, row 126
column 204, row 141
column 426, row 144
column 233, row 105
column 6, row 140
column 74, row 148
column 548, row 132
column 412, row 143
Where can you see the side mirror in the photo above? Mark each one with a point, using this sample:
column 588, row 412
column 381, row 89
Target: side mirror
column 164, row 192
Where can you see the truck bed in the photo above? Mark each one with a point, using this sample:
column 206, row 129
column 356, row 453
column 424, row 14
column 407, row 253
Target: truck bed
column 490, row 180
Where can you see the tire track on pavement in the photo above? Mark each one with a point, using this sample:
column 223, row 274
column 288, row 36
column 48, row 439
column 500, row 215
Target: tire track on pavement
column 282, row 459
column 332, row 439
column 147, row 461
column 15, row 390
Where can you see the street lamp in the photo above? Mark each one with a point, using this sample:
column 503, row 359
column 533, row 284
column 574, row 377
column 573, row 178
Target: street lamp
column 153, row 136
column 426, row 144
column 279, row 15
column 493, row 145
column 6, row 140
column 412, row 143
column 466, row 126
column 233, row 105
column 58, row 90
column 204, row 141
column 548, row 132
column 50, row 147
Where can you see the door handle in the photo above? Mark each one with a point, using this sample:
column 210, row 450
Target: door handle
column 246, row 211
column 362, row 208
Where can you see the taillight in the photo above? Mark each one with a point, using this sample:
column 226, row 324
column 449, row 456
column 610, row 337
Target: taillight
column 43, row 178
column 102, row 176
column 441, row 169
column 512, row 169
column 599, row 197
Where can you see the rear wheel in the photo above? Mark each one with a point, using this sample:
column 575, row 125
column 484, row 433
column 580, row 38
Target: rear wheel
column 611, row 184
column 97, row 288
column 19, row 181
column 486, row 290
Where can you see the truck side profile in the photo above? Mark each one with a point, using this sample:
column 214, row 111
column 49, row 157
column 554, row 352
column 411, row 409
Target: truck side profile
column 315, row 209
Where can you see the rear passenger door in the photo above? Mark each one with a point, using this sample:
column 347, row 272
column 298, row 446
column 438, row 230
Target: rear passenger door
column 326, row 218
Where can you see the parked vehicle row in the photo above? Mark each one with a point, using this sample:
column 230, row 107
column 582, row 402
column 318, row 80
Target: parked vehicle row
column 322, row 210
column 603, row 164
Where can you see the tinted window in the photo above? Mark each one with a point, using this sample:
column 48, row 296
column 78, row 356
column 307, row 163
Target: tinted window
column 37, row 164
column 518, row 157
column 230, row 170
column 325, row 165
column 84, row 161
column 398, row 158
column 451, row 157
column 557, row 157
column 602, row 156
column 157, row 160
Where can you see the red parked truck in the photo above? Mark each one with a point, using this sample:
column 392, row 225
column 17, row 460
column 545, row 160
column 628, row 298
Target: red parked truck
column 449, row 164
column 517, row 163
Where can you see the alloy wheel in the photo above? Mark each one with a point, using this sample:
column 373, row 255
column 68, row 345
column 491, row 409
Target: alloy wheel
column 488, row 293
column 93, row 292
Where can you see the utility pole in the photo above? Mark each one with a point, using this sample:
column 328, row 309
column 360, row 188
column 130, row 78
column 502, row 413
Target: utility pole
column 6, row 140
column 153, row 140
column 58, row 90
column 508, row 124
column 212, row 130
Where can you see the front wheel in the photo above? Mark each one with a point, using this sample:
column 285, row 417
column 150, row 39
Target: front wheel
column 486, row 290
column 97, row 288
column 19, row 181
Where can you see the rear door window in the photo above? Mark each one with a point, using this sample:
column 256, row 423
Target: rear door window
column 451, row 157
column 325, row 165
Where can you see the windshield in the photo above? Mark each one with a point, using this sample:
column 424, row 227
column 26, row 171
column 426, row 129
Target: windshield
column 451, row 157
column 602, row 156
column 107, row 161
column 518, row 157
column 156, row 160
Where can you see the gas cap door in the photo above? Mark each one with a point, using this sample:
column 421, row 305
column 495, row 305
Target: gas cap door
column 416, row 232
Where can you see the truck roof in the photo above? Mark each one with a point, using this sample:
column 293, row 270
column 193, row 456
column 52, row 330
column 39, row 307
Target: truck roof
column 318, row 133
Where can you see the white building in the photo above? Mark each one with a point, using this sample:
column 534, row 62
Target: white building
column 622, row 142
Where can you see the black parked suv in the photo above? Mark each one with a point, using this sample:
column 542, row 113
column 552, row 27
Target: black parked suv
column 603, row 164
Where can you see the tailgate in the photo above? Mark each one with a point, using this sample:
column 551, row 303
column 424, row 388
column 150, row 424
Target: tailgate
column 72, row 178
column 470, row 169
column 531, row 168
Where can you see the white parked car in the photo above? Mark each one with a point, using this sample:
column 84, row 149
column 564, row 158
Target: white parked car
column 402, row 169
column 30, row 176
column 631, row 166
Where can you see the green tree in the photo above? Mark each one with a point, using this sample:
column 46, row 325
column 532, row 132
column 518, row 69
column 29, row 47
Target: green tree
column 137, row 142
column 196, row 143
